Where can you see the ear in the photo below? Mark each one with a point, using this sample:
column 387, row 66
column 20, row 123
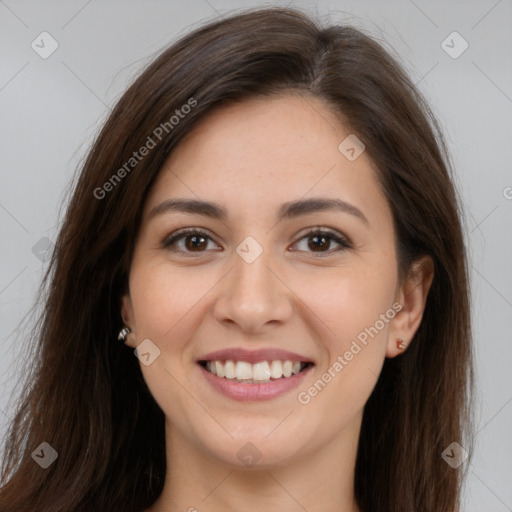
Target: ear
column 128, row 319
column 412, row 295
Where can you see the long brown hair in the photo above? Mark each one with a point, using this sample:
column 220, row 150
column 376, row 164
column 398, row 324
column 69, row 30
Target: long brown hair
column 86, row 396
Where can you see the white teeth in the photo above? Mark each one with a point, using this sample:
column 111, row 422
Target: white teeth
column 258, row 372
column 287, row 368
column 243, row 370
column 261, row 371
column 229, row 369
column 276, row 369
column 220, row 369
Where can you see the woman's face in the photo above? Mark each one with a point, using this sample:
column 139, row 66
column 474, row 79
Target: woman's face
column 260, row 279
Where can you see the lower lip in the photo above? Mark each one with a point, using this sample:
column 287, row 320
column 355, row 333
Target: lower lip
column 243, row 391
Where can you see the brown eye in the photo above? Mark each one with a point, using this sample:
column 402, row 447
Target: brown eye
column 319, row 241
column 196, row 242
column 193, row 241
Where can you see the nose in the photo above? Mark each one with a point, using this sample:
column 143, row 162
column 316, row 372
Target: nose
column 254, row 296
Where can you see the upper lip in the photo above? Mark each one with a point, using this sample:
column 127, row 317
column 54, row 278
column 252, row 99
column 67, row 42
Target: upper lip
column 254, row 356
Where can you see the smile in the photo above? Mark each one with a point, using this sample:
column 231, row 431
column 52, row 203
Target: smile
column 258, row 373
column 264, row 380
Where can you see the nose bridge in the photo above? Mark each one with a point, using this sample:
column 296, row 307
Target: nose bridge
column 252, row 278
column 253, row 295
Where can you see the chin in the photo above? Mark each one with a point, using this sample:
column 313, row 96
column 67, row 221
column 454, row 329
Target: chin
column 257, row 449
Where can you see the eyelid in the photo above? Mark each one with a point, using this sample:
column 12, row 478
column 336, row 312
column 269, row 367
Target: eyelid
column 342, row 240
column 333, row 233
column 182, row 233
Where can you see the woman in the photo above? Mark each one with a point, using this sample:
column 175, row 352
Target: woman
column 268, row 222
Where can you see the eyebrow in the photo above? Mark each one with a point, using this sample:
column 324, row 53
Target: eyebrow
column 288, row 210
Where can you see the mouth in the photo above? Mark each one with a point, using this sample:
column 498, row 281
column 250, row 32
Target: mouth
column 261, row 372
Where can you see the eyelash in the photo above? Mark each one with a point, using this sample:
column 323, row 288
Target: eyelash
column 342, row 241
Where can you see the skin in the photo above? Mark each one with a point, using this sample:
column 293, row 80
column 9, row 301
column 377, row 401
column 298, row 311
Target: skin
column 251, row 158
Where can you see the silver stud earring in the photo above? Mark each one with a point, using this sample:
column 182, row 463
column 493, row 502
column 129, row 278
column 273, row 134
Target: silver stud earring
column 123, row 333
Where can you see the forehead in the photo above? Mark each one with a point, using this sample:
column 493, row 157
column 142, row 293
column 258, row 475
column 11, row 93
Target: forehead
column 284, row 128
column 265, row 150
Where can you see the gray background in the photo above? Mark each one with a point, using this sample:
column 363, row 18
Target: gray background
column 52, row 108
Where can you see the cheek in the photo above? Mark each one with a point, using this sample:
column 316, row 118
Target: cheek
column 165, row 301
column 354, row 348
column 354, row 309
column 348, row 299
column 162, row 297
